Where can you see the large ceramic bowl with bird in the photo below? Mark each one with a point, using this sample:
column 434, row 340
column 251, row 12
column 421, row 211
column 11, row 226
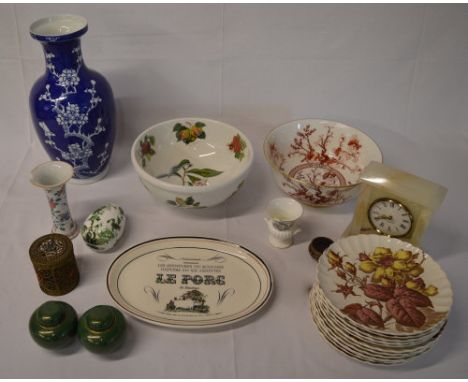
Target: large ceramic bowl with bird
column 318, row 162
column 192, row 162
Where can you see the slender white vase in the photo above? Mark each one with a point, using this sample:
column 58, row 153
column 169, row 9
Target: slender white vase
column 52, row 177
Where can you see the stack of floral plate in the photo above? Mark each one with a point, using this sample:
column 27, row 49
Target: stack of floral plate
column 380, row 300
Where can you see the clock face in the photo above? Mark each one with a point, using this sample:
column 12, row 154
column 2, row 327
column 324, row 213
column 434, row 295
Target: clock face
column 390, row 217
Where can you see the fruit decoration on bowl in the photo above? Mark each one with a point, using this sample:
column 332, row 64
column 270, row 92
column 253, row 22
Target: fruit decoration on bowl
column 192, row 162
column 318, row 162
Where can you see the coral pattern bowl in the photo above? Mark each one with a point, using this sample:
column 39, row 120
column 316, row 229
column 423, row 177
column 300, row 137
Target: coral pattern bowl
column 318, row 162
column 192, row 162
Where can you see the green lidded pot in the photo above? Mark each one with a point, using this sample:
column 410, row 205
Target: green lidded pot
column 101, row 329
column 53, row 325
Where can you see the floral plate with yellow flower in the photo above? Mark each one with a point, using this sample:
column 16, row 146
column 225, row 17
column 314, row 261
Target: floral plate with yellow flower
column 360, row 333
column 385, row 285
column 361, row 349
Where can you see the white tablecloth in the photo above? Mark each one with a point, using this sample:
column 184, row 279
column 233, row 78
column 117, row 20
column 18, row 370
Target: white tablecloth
column 398, row 72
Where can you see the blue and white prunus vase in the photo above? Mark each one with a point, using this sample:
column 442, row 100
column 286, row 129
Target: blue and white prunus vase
column 72, row 106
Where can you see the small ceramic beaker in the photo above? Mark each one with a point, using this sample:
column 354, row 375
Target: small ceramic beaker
column 281, row 217
column 52, row 177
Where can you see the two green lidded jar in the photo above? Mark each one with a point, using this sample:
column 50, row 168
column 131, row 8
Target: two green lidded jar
column 55, row 323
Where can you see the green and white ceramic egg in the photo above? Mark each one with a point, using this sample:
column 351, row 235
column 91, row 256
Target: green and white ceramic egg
column 104, row 227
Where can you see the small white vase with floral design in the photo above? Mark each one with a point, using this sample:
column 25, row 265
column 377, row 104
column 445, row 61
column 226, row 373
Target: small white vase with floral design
column 52, row 177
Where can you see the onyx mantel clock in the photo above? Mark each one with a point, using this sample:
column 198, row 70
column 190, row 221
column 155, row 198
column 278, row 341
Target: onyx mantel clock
column 394, row 203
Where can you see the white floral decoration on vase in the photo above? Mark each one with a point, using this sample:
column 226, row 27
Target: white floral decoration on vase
column 71, row 118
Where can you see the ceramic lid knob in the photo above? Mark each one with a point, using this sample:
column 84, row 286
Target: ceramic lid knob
column 50, row 314
column 100, row 318
column 318, row 246
column 53, row 324
column 101, row 329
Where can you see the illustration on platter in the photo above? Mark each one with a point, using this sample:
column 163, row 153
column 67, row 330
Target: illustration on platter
column 191, row 301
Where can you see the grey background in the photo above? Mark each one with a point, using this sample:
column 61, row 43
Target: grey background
column 398, row 72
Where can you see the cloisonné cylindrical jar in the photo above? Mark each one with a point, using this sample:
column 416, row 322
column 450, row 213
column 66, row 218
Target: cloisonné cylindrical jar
column 101, row 329
column 72, row 106
column 55, row 265
column 53, row 325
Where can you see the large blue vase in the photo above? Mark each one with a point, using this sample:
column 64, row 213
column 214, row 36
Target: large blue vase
column 72, row 106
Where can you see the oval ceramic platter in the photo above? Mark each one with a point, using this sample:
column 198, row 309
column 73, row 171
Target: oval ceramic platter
column 189, row 282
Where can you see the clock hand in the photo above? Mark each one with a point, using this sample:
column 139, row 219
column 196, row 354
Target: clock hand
column 384, row 217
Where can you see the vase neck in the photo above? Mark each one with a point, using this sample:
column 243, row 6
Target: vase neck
column 63, row 55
